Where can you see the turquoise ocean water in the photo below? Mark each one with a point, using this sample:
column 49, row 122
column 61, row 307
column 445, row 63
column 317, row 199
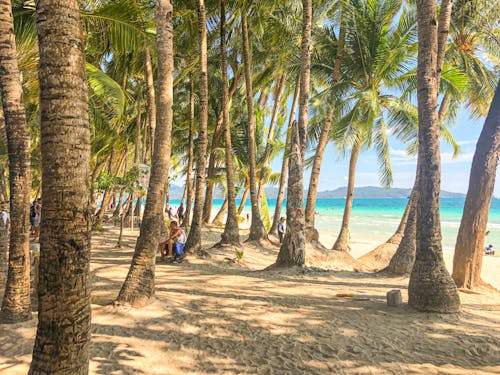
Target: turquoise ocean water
column 377, row 219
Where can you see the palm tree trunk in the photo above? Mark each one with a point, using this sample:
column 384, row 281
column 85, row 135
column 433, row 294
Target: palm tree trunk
column 16, row 304
column 231, row 233
column 312, row 234
column 63, row 334
column 189, row 174
column 257, row 229
column 219, row 129
column 139, row 284
column 221, row 213
column 342, row 242
column 292, row 251
column 468, row 257
column 267, row 153
column 193, row 242
column 137, row 150
column 244, row 198
column 431, row 288
column 151, row 104
column 284, row 164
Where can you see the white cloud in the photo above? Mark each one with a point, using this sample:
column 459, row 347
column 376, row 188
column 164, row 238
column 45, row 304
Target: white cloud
column 465, row 157
column 464, row 143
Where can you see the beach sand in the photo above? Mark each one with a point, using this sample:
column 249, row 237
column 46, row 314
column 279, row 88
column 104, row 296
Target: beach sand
column 215, row 316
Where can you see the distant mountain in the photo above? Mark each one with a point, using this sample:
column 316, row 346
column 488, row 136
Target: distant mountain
column 365, row 192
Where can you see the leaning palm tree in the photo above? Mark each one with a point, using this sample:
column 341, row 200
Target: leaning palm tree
column 64, row 277
column 431, row 288
column 16, row 304
column 139, row 284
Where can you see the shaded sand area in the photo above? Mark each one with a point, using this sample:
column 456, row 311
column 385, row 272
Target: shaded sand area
column 214, row 316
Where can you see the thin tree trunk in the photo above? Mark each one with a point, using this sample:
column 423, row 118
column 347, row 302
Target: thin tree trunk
column 468, row 257
column 244, row 198
column 193, row 242
column 342, row 242
column 150, row 92
column 257, row 229
column 3, row 138
column 189, row 179
column 63, row 334
column 219, row 130
column 292, row 251
column 280, row 85
column 231, row 233
column 284, row 164
column 16, row 304
column 312, row 234
column 139, row 285
column 221, row 213
column 431, row 287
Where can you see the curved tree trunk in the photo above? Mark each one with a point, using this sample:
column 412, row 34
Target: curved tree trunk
column 292, row 251
column 257, row 229
column 139, row 286
column 342, row 242
column 468, row 257
column 431, row 288
column 16, row 304
column 270, row 135
column 63, row 334
column 312, row 234
column 231, row 233
column 189, row 174
column 151, row 104
column 220, row 215
column 244, row 198
column 284, row 164
column 193, row 242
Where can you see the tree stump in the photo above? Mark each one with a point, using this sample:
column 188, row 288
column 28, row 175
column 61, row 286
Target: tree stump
column 394, row 298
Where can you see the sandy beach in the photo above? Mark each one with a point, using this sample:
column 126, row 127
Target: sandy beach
column 215, row 316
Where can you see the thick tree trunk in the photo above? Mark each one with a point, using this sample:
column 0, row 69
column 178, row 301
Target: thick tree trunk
column 16, row 304
column 220, row 215
column 231, row 233
column 244, row 199
column 63, row 334
column 218, row 132
column 189, row 173
column 292, row 251
column 137, row 151
column 284, row 164
column 280, row 85
column 257, row 229
column 193, row 242
column 312, row 234
column 139, row 285
column 431, row 288
column 342, row 242
column 151, row 104
column 468, row 257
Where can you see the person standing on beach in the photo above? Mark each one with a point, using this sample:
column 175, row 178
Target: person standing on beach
column 180, row 213
column 281, row 229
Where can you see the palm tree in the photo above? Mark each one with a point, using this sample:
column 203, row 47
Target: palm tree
column 189, row 172
column 431, row 288
column 139, row 284
column 16, row 304
column 467, row 260
column 64, row 277
column 292, row 251
column 194, row 239
column 257, row 229
column 231, row 232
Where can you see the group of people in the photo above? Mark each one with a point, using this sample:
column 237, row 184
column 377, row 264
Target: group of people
column 172, row 214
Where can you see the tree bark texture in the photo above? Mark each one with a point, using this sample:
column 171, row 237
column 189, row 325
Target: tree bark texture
column 151, row 103
column 292, row 251
column 257, row 229
column 189, row 174
column 284, row 164
column 231, row 234
column 342, row 242
column 469, row 248
column 63, row 334
column 194, row 239
column 139, row 286
column 16, row 304
column 431, row 288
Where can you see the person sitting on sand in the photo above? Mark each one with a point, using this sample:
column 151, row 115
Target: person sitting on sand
column 174, row 243
column 488, row 250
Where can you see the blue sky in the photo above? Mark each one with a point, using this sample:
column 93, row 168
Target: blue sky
column 455, row 172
